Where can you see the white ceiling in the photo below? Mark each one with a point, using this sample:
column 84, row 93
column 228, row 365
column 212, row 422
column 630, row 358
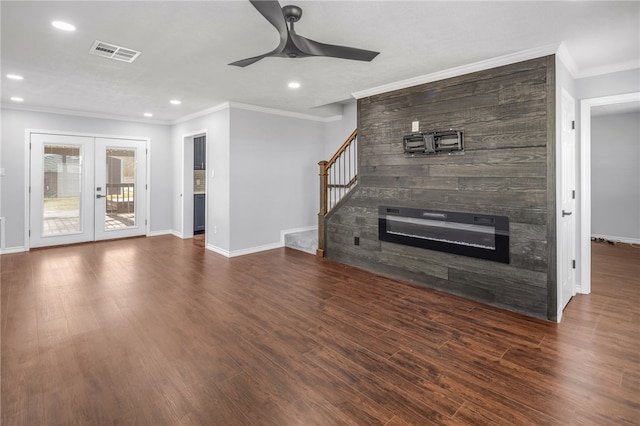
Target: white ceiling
column 186, row 47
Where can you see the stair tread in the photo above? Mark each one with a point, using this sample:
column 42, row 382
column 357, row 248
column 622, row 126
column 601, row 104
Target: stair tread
column 306, row 241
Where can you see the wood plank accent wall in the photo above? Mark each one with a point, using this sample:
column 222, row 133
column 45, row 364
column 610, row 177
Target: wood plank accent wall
column 508, row 168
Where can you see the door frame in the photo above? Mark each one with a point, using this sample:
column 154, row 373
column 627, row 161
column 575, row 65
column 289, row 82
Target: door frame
column 186, row 221
column 584, row 280
column 27, row 172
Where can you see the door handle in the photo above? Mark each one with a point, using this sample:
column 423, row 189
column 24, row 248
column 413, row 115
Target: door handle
column 566, row 213
column 100, row 196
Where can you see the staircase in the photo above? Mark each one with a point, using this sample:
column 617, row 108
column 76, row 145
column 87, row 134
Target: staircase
column 338, row 176
column 306, row 241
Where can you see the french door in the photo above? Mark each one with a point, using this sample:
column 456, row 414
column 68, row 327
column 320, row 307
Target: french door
column 86, row 189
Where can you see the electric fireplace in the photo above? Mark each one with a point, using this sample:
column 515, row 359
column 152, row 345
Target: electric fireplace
column 467, row 234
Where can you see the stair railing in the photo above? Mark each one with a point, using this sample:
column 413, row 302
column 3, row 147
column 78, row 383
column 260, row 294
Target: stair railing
column 337, row 177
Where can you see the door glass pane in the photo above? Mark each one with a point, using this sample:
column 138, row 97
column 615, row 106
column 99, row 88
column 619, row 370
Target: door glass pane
column 120, row 203
column 62, row 190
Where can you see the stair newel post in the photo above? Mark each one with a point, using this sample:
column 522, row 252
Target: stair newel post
column 324, row 183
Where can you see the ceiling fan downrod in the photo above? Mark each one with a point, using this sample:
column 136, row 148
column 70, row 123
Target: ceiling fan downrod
column 292, row 14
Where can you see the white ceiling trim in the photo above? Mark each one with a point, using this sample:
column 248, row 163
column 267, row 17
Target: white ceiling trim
column 284, row 113
column 608, row 69
column 462, row 70
column 265, row 110
column 49, row 110
column 211, row 110
column 216, row 108
column 565, row 57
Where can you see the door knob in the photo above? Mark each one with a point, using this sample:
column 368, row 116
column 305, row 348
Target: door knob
column 100, row 196
column 566, row 213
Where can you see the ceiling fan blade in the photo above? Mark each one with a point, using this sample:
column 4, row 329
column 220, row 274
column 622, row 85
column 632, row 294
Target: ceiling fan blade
column 272, row 11
column 248, row 61
column 314, row 48
column 244, row 62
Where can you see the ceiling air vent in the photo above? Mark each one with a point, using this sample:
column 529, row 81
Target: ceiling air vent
column 112, row 51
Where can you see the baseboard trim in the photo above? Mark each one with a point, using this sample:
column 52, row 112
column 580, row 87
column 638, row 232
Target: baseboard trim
column 158, row 233
column 12, row 250
column 617, row 239
column 218, row 250
column 256, row 249
column 176, row 234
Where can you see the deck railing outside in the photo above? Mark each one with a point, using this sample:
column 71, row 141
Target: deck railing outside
column 120, row 198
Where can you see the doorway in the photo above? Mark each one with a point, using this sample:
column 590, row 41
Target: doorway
column 584, row 282
column 194, row 186
column 85, row 188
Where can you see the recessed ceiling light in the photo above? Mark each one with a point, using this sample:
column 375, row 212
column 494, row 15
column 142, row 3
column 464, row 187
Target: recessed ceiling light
column 15, row 77
column 64, row 26
column 148, row 114
column 294, row 85
column 175, row 102
column 16, row 99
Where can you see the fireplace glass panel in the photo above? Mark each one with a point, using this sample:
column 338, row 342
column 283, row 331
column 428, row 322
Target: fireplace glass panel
column 468, row 234
column 439, row 230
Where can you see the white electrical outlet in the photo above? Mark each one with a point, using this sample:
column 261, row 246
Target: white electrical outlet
column 415, row 126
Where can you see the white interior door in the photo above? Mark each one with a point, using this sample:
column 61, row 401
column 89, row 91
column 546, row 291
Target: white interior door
column 61, row 190
column 86, row 189
column 120, row 183
column 567, row 225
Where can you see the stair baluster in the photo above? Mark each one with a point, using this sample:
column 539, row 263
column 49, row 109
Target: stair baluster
column 337, row 177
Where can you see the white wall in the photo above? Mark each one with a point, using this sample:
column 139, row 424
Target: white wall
column 616, row 83
column 609, row 84
column 336, row 132
column 14, row 161
column 256, row 161
column 615, row 176
column 274, row 176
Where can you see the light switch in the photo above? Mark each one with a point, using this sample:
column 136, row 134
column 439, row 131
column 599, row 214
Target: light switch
column 415, row 126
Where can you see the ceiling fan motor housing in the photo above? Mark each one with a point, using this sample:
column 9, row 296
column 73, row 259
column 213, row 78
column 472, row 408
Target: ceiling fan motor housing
column 292, row 13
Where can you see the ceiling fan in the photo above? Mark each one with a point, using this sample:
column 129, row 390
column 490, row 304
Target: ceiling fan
column 293, row 45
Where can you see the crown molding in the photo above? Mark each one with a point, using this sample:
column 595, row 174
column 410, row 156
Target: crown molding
column 86, row 114
column 211, row 110
column 565, row 57
column 512, row 58
column 291, row 114
column 256, row 108
column 608, row 69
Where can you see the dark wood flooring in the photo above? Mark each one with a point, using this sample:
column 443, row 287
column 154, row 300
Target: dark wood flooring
column 153, row 331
